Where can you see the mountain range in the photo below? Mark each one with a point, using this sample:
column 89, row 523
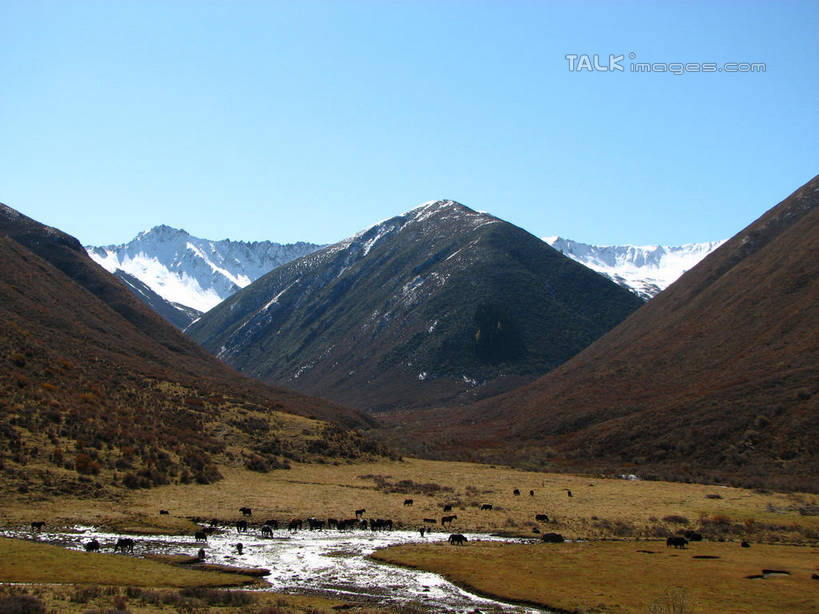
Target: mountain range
column 192, row 274
column 181, row 276
column 717, row 378
column 98, row 392
column 440, row 304
column 644, row 269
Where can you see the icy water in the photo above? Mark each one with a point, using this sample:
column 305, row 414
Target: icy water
column 329, row 562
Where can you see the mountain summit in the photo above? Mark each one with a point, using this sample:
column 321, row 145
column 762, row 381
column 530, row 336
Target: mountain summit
column 441, row 303
column 192, row 272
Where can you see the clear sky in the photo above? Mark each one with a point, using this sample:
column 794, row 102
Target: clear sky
column 311, row 120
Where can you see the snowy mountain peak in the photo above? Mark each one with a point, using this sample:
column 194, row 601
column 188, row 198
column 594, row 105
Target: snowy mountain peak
column 644, row 269
column 191, row 271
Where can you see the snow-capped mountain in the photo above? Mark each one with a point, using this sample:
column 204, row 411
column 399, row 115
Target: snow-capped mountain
column 438, row 304
column 194, row 272
column 646, row 270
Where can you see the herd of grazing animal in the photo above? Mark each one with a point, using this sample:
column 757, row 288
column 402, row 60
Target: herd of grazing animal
column 126, row 544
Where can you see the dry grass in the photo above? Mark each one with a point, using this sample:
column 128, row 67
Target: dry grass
column 599, row 508
column 616, row 577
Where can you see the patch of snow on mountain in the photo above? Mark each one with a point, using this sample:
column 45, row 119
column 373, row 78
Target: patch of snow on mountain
column 195, row 272
column 644, row 269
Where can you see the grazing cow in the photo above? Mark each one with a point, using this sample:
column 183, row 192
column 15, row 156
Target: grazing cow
column 516, row 492
column 377, row 524
column 456, row 539
column 92, row 546
column 273, row 524
column 745, row 544
column 360, row 513
column 541, row 518
column 445, row 520
column 201, row 554
column 422, row 530
column 448, row 507
column 267, row 531
column 294, row 525
column 486, row 506
column 163, row 512
column 332, row 523
column 239, row 547
column 246, row 511
column 315, row 524
column 552, row 538
column 408, row 501
column 531, row 493
column 37, row 525
column 200, row 536
column 677, row 542
column 241, row 526
column 124, row 544
column 430, row 520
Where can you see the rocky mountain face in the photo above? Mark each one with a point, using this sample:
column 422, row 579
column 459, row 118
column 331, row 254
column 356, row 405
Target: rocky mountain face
column 192, row 272
column 440, row 304
column 716, row 378
column 98, row 392
column 646, row 270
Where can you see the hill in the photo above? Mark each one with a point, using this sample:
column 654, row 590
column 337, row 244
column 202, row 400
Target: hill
column 715, row 378
column 440, row 304
column 98, row 390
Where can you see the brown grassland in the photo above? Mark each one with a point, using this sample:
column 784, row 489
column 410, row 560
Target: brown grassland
column 607, row 573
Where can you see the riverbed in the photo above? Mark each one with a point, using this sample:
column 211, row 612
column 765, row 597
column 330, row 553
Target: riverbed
column 330, row 562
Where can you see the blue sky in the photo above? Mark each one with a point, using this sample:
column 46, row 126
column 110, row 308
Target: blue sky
column 311, row 120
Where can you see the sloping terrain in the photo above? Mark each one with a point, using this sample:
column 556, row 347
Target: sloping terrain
column 441, row 304
column 715, row 378
column 96, row 389
column 175, row 313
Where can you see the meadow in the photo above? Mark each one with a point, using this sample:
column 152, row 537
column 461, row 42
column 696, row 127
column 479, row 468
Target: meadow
column 619, row 520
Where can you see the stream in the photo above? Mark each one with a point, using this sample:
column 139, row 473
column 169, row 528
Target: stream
column 330, row 562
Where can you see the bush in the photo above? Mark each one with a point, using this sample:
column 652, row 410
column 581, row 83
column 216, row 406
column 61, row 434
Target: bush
column 83, row 463
column 21, row 604
column 676, row 519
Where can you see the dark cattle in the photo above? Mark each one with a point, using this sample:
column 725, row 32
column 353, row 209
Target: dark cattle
column 677, row 542
column 37, row 525
column 294, row 525
column 362, row 524
column 239, row 547
column 448, row 507
column 267, row 531
column 552, row 538
column 200, row 536
column 315, row 524
column 380, row 524
column 569, row 492
column 92, row 546
column 241, row 526
column 163, row 512
column 516, row 492
column 332, row 523
column 531, row 493
column 124, row 544
column 456, row 539
column 422, row 530
column 408, row 501
column 214, row 522
column 693, row 536
column 201, row 554
column 430, row 520
column 745, row 544
column 273, row 524
column 246, row 511
column 360, row 513
column 445, row 520
column 486, row 506
column 541, row 518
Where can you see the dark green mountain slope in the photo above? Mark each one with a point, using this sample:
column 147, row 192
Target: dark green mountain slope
column 439, row 304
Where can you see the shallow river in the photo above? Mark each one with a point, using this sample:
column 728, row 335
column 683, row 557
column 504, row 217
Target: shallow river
column 329, row 562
